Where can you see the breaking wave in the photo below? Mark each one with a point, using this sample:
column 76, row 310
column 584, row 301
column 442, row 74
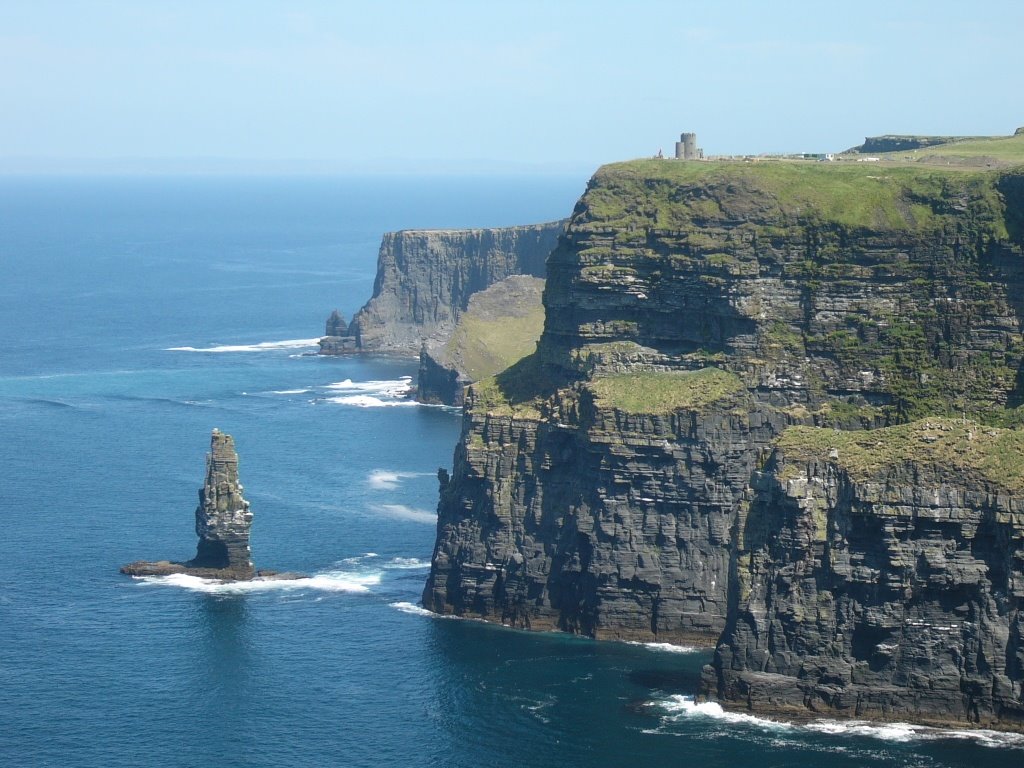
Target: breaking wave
column 372, row 394
column 266, row 346
column 330, row 581
column 388, row 387
column 668, row 647
column 680, row 707
column 413, row 609
column 367, row 401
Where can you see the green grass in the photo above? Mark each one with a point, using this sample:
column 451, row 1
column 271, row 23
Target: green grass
column 501, row 325
column 486, row 346
column 996, row 455
column 1006, row 150
column 672, row 195
column 518, row 391
column 664, row 392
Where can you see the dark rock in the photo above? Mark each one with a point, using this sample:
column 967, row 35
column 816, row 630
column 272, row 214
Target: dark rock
column 336, row 325
column 223, row 522
column 879, row 581
column 438, row 381
column 338, row 345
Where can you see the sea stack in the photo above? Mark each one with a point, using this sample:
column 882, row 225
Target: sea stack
column 223, row 518
column 223, row 521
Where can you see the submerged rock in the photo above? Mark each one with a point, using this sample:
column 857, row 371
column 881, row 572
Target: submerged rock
column 223, row 521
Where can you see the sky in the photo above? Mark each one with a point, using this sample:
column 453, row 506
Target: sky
column 434, row 86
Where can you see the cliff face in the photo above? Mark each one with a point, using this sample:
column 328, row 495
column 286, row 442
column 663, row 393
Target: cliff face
column 696, row 315
column 596, row 520
column 425, row 279
column 881, row 575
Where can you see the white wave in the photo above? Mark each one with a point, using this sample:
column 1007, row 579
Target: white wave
column 392, row 387
column 288, row 391
column 358, row 559
column 684, row 706
column 402, row 512
column 386, row 480
column 406, row 564
column 330, row 581
column 903, row 732
column 668, row 647
column 261, row 347
column 415, row 610
column 368, row 401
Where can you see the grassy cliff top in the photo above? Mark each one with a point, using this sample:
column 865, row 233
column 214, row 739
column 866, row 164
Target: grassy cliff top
column 681, row 195
column 997, row 151
column 961, row 447
column 664, row 392
column 500, row 326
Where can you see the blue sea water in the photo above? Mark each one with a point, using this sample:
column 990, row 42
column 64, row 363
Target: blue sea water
column 138, row 314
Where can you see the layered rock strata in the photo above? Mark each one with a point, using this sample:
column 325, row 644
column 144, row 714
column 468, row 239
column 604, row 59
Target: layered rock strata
column 696, row 315
column 223, row 522
column 881, row 575
column 425, row 279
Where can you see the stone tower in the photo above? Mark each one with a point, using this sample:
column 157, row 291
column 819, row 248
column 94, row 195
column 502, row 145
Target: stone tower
column 686, row 147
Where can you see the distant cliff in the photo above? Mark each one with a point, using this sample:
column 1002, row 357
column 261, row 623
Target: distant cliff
column 425, row 279
column 655, row 470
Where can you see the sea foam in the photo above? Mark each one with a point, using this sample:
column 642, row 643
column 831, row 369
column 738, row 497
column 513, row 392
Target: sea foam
column 330, row 581
column 367, row 401
column 681, row 707
column 266, row 346
column 667, row 647
column 415, row 610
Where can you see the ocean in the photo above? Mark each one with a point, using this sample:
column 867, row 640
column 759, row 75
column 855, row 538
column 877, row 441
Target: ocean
column 137, row 314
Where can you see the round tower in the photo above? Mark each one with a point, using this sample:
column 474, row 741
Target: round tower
column 689, row 141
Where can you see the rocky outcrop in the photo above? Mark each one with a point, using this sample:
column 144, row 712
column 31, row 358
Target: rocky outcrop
column 223, row 522
column 881, row 575
column 336, row 340
column 696, row 315
column 893, row 143
column 500, row 326
column 425, row 279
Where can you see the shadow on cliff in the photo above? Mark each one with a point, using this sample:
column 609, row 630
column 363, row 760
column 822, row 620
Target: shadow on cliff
column 1007, row 261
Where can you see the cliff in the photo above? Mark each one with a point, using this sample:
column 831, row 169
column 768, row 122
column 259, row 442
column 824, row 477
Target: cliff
column 698, row 318
column 425, row 279
column 500, row 326
column 880, row 574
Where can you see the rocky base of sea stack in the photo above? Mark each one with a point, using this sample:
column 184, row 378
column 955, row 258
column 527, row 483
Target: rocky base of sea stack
column 167, row 568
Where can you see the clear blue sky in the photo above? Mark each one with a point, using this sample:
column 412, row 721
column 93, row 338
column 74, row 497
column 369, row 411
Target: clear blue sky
column 523, row 85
